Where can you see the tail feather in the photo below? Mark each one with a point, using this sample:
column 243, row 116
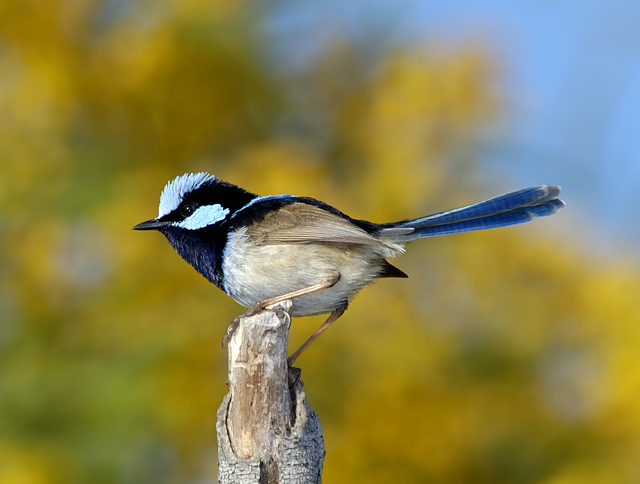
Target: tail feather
column 513, row 208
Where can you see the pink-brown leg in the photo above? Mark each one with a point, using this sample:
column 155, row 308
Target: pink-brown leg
column 330, row 320
column 272, row 301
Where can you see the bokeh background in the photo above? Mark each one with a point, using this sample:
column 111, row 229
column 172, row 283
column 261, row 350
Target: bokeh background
column 508, row 356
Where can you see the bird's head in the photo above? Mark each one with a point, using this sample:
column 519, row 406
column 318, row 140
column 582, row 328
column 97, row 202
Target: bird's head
column 192, row 214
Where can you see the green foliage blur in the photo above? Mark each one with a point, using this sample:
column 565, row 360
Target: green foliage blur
column 508, row 356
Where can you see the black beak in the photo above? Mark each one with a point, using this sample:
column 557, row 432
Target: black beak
column 152, row 224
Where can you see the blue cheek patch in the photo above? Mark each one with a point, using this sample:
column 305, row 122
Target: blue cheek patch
column 204, row 216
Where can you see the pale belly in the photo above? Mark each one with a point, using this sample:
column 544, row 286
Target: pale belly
column 253, row 273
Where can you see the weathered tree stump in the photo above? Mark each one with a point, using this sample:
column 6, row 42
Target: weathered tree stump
column 267, row 433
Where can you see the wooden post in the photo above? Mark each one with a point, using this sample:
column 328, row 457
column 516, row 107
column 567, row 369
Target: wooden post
column 267, row 433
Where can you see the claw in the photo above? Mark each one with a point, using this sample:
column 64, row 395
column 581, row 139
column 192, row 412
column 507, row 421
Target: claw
column 231, row 329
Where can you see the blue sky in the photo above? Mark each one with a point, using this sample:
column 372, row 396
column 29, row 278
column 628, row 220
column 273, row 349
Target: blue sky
column 574, row 93
column 571, row 76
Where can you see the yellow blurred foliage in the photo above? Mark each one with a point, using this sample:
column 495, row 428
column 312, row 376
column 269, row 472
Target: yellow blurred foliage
column 507, row 357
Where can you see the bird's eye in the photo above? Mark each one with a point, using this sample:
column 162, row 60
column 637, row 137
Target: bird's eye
column 187, row 210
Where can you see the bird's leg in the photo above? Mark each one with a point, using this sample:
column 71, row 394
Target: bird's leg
column 272, row 301
column 330, row 320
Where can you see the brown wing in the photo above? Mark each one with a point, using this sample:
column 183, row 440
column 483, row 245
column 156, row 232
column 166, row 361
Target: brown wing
column 301, row 223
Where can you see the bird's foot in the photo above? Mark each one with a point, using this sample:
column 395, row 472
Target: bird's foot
column 231, row 330
column 272, row 302
column 252, row 311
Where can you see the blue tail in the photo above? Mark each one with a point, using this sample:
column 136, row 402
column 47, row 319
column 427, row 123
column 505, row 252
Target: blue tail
column 512, row 208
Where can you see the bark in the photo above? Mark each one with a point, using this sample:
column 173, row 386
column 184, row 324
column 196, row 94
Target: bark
column 267, row 433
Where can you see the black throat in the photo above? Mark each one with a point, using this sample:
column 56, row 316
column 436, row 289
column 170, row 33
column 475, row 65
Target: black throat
column 203, row 248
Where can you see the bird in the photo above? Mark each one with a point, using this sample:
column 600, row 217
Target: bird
column 262, row 250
